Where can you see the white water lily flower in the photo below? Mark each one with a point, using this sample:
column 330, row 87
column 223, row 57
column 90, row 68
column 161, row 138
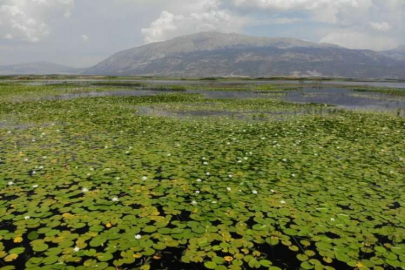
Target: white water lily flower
column 88, row 174
column 35, row 186
column 44, row 157
column 228, row 188
column 245, row 158
column 293, row 175
column 230, row 176
column 26, row 160
column 214, row 202
column 10, row 183
column 144, row 178
column 254, row 192
column 272, row 190
column 197, row 192
column 117, row 178
column 138, row 236
column 284, row 159
column 205, row 163
column 208, row 173
column 169, row 155
column 41, row 167
column 194, row 203
column 84, row 190
column 199, row 180
column 115, row 199
column 76, row 249
column 283, row 202
column 27, row 217
column 34, row 172
column 332, row 219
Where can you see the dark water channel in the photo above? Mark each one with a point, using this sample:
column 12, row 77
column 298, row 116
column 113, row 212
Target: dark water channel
column 324, row 83
column 348, row 99
column 340, row 97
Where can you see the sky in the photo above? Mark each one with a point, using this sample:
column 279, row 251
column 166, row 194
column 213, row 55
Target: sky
column 81, row 33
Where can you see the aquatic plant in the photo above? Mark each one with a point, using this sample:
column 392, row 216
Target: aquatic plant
column 88, row 183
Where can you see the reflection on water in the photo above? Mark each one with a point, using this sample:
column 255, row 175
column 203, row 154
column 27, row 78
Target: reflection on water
column 219, row 83
column 140, row 93
column 123, row 93
column 245, row 115
column 12, row 125
column 340, row 97
column 345, row 98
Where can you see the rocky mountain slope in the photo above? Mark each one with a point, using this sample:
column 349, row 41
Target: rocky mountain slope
column 397, row 54
column 217, row 54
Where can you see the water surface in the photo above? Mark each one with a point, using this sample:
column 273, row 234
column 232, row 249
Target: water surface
column 345, row 98
column 399, row 85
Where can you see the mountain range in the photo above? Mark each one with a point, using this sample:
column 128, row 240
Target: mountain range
column 217, row 54
column 212, row 54
column 397, row 54
column 37, row 68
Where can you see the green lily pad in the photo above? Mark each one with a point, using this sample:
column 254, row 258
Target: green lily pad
column 105, row 257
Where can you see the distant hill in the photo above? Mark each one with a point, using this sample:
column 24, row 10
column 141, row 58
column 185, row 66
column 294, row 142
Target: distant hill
column 216, row 54
column 37, row 68
column 397, row 54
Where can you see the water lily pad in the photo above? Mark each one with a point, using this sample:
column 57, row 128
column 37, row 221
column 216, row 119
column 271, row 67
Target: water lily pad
column 39, row 245
column 17, row 251
column 33, row 235
column 105, row 257
column 50, row 260
column 210, row 265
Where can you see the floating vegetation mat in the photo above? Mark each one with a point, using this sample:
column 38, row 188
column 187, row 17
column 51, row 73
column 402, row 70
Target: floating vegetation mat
column 90, row 184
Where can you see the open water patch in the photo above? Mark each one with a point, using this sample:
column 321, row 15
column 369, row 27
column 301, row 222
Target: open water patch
column 346, row 99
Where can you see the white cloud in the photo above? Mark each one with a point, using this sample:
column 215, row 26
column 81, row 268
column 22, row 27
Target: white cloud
column 342, row 17
column 383, row 26
column 208, row 16
column 358, row 40
column 28, row 19
column 292, row 4
column 351, row 23
column 85, row 38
